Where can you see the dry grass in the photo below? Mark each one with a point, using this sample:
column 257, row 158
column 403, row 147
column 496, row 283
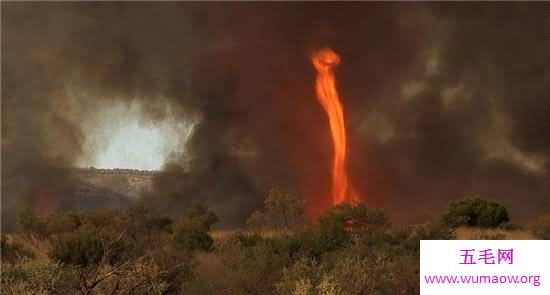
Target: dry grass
column 220, row 235
column 464, row 233
column 39, row 248
column 209, row 264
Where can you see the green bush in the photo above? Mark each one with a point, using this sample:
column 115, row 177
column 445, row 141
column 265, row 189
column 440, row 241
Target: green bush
column 133, row 251
column 282, row 211
column 476, row 212
column 313, row 243
column 191, row 230
column 244, row 265
column 337, row 228
column 81, row 249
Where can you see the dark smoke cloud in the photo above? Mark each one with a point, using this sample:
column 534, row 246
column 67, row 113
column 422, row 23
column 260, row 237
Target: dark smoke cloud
column 477, row 118
column 441, row 100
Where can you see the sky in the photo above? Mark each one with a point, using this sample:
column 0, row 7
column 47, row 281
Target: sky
column 123, row 140
column 136, row 147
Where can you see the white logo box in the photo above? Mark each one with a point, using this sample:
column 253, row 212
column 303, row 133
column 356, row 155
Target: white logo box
column 442, row 270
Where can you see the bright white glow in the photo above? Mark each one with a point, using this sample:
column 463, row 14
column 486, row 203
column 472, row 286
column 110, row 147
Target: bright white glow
column 135, row 147
column 119, row 139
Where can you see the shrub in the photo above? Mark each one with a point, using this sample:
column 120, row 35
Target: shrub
column 345, row 275
column 62, row 223
column 313, row 243
column 299, row 278
column 360, row 215
column 190, row 236
column 350, row 275
column 328, row 286
column 433, row 231
column 80, row 249
column 11, row 251
column 246, row 240
column 191, row 230
column 244, row 265
column 29, row 223
column 141, row 279
column 492, row 236
column 257, row 222
column 333, row 231
column 282, row 211
column 475, row 212
column 36, row 277
column 110, row 250
column 338, row 224
column 303, row 287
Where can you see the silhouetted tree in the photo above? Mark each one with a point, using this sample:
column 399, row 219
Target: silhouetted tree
column 281, row 211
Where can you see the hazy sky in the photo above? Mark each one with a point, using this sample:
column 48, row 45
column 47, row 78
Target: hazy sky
column 123, row 139
column 135, row 147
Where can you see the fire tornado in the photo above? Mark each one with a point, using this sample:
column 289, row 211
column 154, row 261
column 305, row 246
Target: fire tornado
column 324, row 61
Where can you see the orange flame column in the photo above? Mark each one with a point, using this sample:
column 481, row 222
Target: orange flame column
column 324, row 61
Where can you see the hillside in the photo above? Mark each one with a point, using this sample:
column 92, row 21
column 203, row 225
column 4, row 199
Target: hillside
column 109, row 188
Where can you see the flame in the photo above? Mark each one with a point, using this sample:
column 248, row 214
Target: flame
column 324, row 61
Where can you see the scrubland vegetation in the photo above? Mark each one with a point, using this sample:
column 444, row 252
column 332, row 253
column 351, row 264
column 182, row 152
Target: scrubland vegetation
column 350, row 250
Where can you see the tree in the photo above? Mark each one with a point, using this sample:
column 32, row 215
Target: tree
column 82, row 249
column 11, row 251
column 339, row 224
column 257, row 222
column 281, row 210
column 361, row 216
column 97, row 251
column 191, row 230
column 114, row 252
column 474, row 211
